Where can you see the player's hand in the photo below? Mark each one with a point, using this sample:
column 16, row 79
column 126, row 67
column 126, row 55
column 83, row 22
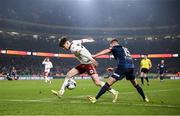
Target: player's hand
column 87, row 40
column 90, row 38
column 110, row 69
column 94, row 56
column 95, row 63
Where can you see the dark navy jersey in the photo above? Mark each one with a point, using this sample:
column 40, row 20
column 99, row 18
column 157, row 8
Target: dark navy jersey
column 122, row 56
column 161, row 67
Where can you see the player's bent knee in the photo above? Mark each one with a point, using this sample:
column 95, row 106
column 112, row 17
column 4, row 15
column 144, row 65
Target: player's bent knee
column 68, row 75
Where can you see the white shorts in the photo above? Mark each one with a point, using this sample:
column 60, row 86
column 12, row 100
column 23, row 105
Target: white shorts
column 47, row 70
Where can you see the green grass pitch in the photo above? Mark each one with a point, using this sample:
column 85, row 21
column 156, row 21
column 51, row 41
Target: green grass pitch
column 33, row 97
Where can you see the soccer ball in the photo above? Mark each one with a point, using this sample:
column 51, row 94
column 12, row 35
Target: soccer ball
column 71, row 84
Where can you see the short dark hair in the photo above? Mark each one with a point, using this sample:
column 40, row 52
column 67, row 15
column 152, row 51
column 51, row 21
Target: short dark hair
column 114, row 40
column 62, row 41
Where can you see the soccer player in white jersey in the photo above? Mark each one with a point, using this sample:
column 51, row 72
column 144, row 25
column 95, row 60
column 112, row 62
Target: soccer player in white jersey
column 87, row 65
column 47, row 67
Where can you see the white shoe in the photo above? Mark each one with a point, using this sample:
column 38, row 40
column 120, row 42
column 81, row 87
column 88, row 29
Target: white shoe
column 58, row 93
column 115, row 96
column 146, row 99
column 92, row 99
column 61, row 92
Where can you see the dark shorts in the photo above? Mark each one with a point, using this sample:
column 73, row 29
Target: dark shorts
column 161, row 72
column 144, row 70
column 86, row 68
column 120, row 73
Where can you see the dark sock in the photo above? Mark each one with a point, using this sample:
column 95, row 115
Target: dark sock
column 140, row 91
column 147, row 79
column 161, row 77
column 103, row 90
column 142, row 80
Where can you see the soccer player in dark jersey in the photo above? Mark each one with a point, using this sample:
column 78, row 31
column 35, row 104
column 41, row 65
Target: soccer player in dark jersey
column 125, row 68
column 161, row 70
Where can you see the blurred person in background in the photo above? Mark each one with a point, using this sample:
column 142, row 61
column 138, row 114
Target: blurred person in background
column 12, row 75
column 47, row 67
column 145, row 66
column 161, row 70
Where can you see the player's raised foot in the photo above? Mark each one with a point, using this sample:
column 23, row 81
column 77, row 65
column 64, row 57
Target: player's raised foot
column 92, row 99
column 115, row 96
column 146, row 99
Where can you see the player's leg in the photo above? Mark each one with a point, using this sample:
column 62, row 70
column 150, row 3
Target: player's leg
column 70, row 74
column 91, row 70
column 130, row 76
column 100, row 83
column 161, row 76
column 146, row 77
column 106, row 87
column 111, row 80
column 139, row 89
column 142, row 76
column 46, row 77
column 103, row 89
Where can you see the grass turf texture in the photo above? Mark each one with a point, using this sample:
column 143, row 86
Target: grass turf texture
column 34, row 97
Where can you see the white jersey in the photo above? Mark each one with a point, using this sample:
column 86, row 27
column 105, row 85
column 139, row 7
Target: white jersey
column 48, row 66
column 81, row 53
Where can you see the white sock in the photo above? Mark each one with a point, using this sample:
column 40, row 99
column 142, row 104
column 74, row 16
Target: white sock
column 45, row 78
column 102, row 83
column 64, row 83
column 49, row 80
column 110, row 90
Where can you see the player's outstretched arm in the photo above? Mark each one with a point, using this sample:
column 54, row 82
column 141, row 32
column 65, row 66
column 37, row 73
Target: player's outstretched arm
column 94, row 61
column 105, row 51
column 85, row 40
column 110, row 69
column 44, row 61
